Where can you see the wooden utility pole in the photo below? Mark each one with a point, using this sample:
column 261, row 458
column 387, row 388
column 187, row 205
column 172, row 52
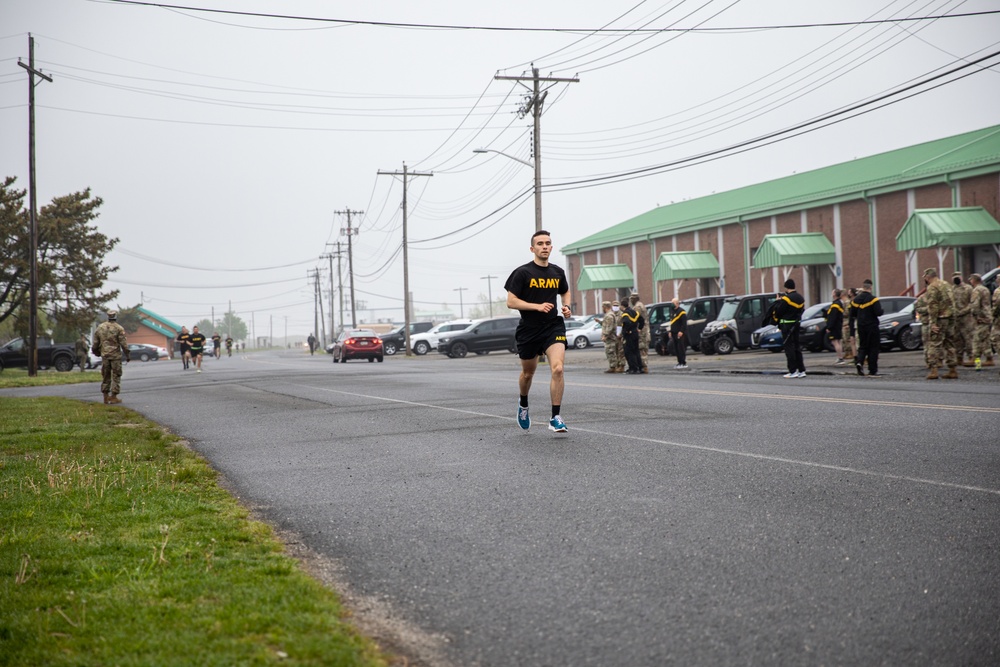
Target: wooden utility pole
column 330, row 256
column 534, row 106
column 32, row 215
column 461, row 308
column 351, row 232
column 489, row 286
column 314, row 274
column 340, row 284
column 406, row 260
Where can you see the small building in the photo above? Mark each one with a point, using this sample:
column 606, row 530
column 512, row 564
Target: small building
column 831, row 227
column 155, row 330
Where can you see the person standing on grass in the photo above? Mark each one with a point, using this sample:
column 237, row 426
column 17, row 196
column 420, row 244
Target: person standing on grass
column 82, row 350
column 111, row 345
column 532, row 290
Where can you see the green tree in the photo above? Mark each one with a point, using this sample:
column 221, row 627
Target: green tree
column 234, row 326
column 482, row 307
column 71, row 270
column 205, row 326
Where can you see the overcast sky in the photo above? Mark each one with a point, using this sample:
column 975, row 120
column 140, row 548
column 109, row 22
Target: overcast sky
column 223, row 145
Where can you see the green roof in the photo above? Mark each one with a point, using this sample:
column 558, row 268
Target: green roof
column 601, row 276
column 155, row 316
column 794, row 250
column 948, row 227
column 681, row 265
column 959, row 156
column 157, row 328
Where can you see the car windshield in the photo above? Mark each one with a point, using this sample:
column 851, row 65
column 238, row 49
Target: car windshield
column 728, row 310
column 908, row 310
column 359, row 333
column 814, row 311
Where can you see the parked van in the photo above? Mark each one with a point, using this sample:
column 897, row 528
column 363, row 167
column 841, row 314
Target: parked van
column 738, row 318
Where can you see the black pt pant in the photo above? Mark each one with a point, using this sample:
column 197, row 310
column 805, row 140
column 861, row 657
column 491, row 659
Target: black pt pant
column 793, row 350
column 868, row 347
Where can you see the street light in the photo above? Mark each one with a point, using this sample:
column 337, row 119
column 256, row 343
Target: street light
column 537, row 166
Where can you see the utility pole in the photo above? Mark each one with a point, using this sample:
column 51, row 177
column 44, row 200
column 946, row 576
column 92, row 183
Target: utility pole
column 534, row 106
column 489, row 283
column 315, row 275
column 333, row 329
column 340, row 285
column 406, row 257
column 32, row 216
column 461, row 309
column 350, row 231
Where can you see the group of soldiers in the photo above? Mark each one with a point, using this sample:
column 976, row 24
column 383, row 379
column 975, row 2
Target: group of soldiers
column 625, row 332
column 961, row 323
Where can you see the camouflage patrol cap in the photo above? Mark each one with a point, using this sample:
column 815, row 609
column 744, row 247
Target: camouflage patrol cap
column 606, row 304
column 957, row 273
column 615, row 303
column 112, row 314
column 929, row 272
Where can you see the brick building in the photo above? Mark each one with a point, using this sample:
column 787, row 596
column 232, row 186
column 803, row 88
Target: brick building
column 831, row 227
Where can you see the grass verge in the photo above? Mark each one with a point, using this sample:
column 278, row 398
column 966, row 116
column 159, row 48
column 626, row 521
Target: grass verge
column 117, row 547
column 18, row 377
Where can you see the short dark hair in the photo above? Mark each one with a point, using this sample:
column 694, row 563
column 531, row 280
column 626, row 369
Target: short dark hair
column 540, row 232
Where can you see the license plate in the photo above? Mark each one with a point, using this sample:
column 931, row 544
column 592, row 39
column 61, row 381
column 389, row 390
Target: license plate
column 362, row 343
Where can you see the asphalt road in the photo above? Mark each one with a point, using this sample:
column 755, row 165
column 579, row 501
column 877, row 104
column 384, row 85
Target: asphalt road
column 716, row 517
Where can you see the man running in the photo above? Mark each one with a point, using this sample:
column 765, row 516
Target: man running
column 197, row 342
column 184, row 342
column 229, row 346
column 532, row 289
column 216, row 345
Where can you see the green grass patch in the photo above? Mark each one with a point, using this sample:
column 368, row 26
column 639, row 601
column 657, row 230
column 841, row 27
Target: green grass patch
column 18, row 377
column 117, row 547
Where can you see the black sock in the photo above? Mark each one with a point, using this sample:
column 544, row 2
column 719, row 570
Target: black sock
column 555, row 410
column 523, row 402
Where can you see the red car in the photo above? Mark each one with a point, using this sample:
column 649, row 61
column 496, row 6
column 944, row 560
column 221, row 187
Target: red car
column 357, row 344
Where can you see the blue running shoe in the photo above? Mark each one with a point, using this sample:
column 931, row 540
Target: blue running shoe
column 523, row 420
column 557, row 424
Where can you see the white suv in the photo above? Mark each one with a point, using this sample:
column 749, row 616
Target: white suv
column 425, row 342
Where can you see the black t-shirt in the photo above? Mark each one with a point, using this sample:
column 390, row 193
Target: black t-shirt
column 197, row 342
column 216, row 340
column 184, row 339
column 538, row 284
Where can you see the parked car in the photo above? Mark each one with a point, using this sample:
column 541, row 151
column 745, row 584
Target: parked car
column 897, row 330
column 738, row 318
column 425, row 342
column 700, row 312
column 142, row 352
column 583, row 335
column 61, row 356
column 395, row 340
column 481, row 337
column 357, row 344
column 812, row 335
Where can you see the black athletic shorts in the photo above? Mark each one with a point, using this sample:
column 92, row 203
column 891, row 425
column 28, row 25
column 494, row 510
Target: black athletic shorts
column 532, row 339
column 196, row 352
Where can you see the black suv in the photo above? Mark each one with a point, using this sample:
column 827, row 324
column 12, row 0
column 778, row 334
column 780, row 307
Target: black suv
column 700, row 311
column 395, row 340
column 481, row 337
column 738, row 318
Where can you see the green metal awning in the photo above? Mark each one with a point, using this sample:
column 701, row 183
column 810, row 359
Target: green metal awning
column 948, row 228
column 602, row 276
column 794, row 250
column 681, row 265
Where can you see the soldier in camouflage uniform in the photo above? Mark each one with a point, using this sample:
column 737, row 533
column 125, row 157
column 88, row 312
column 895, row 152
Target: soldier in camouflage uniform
column 82, row 348
column 920, row 308
column 110, row 343
column 941, row 322
column 995, row 332
column 619, row 342
column 610, row 337
column 639, row 307
column 961, row 292
column 980, row 310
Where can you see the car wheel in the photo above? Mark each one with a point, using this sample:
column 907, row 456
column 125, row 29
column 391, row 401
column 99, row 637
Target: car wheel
column 513, row 348
column 723, row 345
column 371, row 360
column 380, row 358
column 459, row 350
column 389, row 348
column 421, row 348
column 581, row 343
column 908, row 340
column 64, row 364
column 707, row 347
column 144, row 356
